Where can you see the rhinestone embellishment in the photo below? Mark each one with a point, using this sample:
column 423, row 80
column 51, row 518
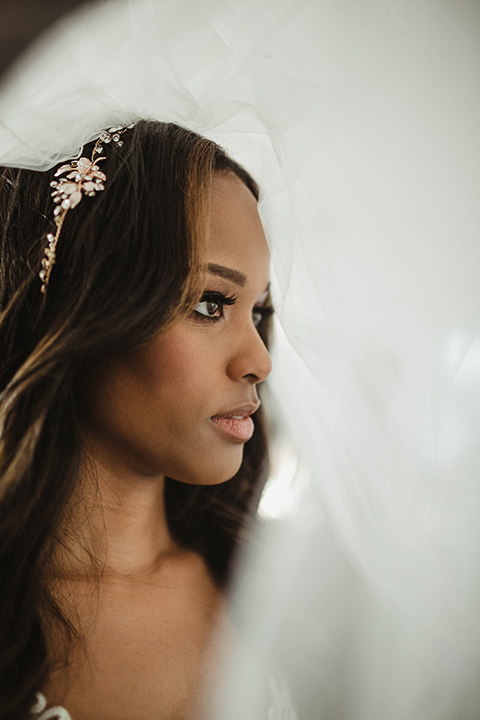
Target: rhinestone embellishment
column 81, row 177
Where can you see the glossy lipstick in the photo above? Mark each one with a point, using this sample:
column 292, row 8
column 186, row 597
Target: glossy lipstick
column 236, row 424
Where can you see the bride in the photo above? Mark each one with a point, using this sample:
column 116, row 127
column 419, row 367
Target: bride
column 133, row 446
column 359, row 120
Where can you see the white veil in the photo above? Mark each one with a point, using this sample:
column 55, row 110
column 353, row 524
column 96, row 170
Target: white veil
column 359, row 118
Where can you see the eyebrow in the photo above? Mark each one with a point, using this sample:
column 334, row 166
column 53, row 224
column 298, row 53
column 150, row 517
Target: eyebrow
column 235, row 276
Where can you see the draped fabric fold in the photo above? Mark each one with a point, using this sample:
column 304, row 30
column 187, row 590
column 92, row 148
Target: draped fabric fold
column 359, row 119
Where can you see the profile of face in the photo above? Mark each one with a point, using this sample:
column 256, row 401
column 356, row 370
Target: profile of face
column 180, row 405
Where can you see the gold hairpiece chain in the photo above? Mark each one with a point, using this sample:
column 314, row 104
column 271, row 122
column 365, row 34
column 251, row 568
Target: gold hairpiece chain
column 82, row 177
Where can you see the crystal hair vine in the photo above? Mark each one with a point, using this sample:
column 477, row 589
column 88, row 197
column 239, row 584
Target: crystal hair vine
column 83, row 177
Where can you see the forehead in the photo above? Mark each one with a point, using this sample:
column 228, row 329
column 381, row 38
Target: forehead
column 236, row 238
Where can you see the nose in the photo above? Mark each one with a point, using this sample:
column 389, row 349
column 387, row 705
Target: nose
column 249, row 358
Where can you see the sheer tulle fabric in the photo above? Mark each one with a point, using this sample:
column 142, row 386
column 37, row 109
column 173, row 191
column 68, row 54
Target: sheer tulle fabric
column 359, row 119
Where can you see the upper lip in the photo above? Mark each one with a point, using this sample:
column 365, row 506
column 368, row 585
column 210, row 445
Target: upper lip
column 241, row 411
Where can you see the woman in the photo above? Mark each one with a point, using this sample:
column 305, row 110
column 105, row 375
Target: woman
column 360, row 119
column 129, row 459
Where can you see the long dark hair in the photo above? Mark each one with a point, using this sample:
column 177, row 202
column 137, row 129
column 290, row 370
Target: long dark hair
column 128, row 265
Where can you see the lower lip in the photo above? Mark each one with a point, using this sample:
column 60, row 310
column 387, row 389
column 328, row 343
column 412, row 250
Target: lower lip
column 236, row 428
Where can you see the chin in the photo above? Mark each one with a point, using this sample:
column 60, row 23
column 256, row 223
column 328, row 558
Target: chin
column 211, row 473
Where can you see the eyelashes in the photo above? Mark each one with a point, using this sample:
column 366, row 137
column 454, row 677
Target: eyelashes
column 211, row 308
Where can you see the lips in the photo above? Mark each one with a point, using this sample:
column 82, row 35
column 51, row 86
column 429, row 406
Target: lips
column 243, row 411
column 236, row 423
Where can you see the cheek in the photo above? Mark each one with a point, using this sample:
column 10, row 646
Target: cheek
column 172, row 368
column 151, row 410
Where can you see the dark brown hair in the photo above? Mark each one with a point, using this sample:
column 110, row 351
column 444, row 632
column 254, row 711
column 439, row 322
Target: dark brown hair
column 128, row 265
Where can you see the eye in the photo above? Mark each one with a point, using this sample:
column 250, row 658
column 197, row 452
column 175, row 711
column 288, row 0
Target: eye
column 211, row 305
column 208, row 308
column 261, row 313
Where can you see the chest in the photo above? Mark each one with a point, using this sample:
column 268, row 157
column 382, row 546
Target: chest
column 149, row 652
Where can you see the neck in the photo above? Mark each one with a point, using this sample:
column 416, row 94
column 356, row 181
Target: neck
column 117, row 518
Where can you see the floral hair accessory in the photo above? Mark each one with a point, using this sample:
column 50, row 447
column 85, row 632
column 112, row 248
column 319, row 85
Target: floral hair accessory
column 82, row 177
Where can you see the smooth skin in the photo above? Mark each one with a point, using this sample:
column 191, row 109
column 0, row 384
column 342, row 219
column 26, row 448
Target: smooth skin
column 151, row 625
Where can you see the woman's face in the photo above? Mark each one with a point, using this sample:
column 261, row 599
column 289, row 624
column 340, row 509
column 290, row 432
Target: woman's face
column 180, row 404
